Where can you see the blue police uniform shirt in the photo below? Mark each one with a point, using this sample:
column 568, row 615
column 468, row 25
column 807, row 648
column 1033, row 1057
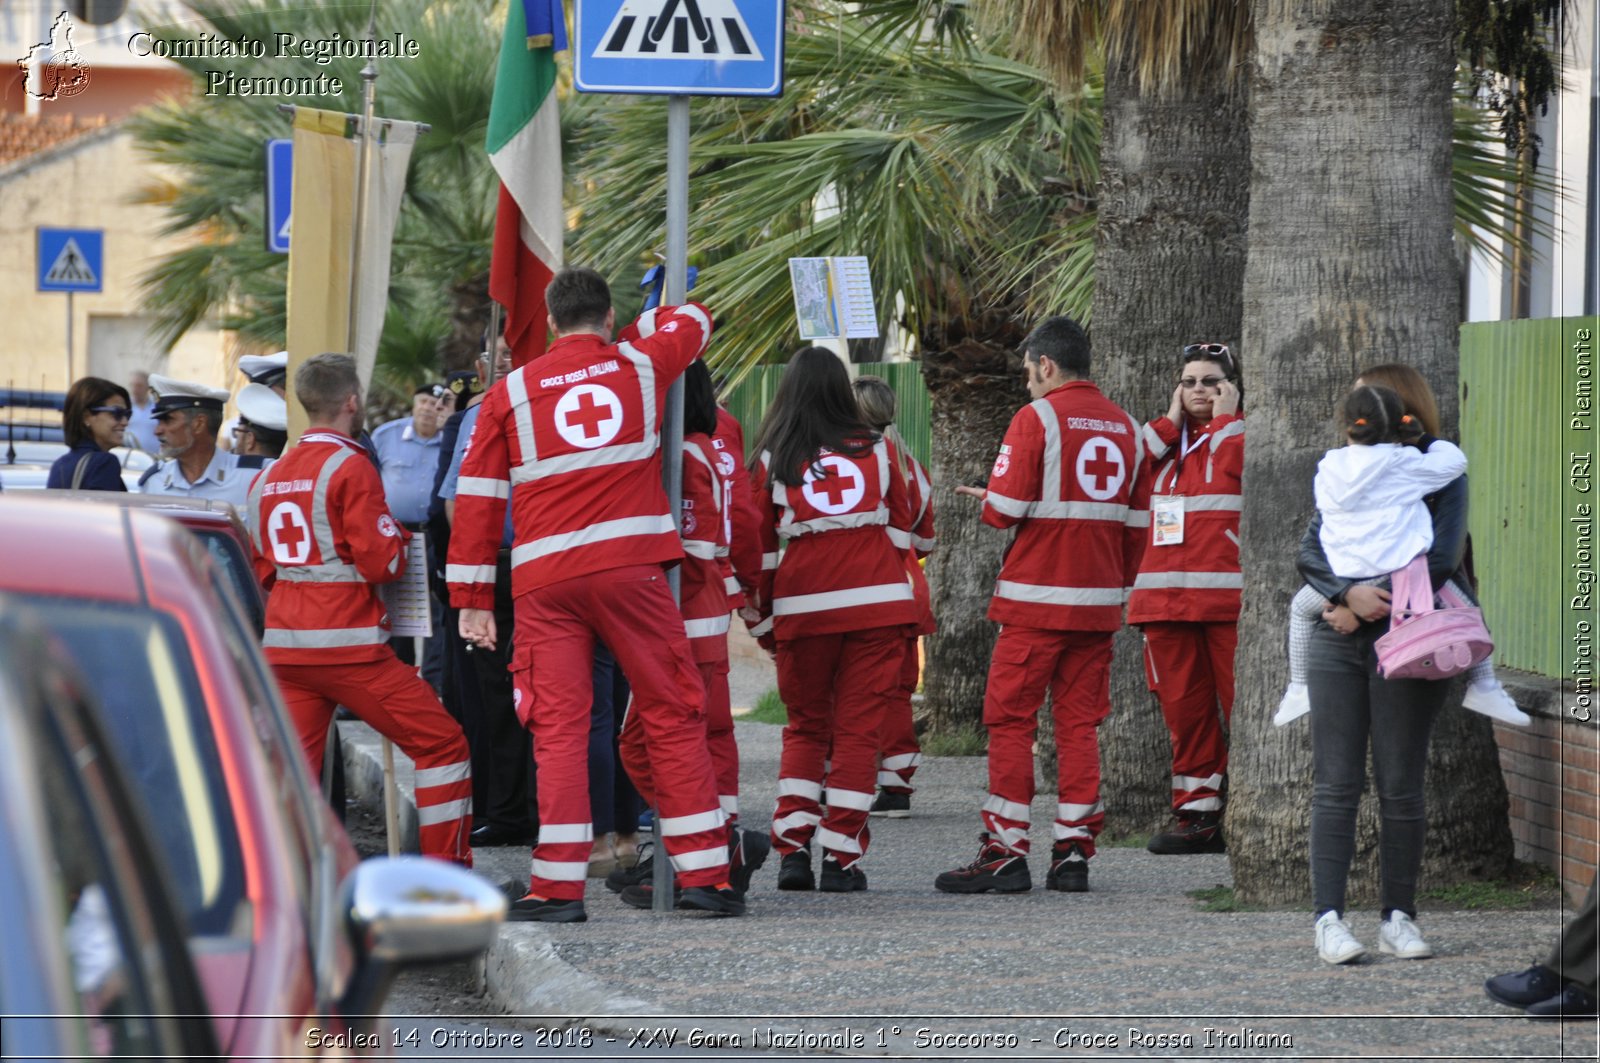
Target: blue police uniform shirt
column 448, row 488
column 222, row 479
column 408, row 462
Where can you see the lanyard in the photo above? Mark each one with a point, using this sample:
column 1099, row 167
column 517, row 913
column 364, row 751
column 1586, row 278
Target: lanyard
column 1185, row 448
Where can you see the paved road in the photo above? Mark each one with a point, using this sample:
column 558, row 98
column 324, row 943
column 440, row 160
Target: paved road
column 1129, row 970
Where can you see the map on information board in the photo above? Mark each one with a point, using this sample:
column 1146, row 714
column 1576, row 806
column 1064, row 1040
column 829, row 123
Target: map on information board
column 833, row 298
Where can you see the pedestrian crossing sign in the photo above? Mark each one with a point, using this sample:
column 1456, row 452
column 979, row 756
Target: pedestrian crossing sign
column 71, row 260
column 680, row 47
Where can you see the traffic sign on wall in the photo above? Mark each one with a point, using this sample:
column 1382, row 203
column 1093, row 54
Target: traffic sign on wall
column 680, row 47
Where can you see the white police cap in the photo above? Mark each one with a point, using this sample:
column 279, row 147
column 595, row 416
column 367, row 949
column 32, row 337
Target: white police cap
column 266, row 369
column 173, row 394
column 262, row 407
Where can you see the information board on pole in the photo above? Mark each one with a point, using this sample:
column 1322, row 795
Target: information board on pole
column 833, row 298
column 679, row 47
column 280, row 183
column 71, row 260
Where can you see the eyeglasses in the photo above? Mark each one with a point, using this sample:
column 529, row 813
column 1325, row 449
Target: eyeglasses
column 1205, row 348
column 121, row 413
column 1189, row 383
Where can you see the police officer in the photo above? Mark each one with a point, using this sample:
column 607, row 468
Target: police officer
column 188, row 416
column 262, row 428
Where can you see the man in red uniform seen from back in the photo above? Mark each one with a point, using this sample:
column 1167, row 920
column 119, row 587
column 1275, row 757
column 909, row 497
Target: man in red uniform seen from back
column 572, row 439
column 323, row 537
column 1068, row 471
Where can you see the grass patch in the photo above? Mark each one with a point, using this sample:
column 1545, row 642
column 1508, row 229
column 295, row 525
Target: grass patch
column 963, row 743
column 1221, row 898
column 1131, row 841
column 769, row 708
column 1528, row 886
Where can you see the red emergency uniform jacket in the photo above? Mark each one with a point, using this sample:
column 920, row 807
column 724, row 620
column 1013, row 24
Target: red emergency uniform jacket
column 847, row 531
column 323, row 536
column 1197, row 579
column 920, row 495
column 573, row 439
column 741, row 559
column 1065, row 477
column 702, row 598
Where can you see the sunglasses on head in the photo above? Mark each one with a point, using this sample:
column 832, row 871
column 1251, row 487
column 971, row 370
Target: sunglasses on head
column 121, row 413
column 1217, row 352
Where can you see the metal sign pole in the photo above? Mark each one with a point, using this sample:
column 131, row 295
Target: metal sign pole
column 69, row 341
column 675, row 292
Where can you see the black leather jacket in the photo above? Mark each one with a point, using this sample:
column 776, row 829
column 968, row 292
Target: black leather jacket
column 1445, row 556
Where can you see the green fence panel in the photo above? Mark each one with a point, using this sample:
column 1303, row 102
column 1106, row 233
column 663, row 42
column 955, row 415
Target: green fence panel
column 750, row 399
column 1516, row 412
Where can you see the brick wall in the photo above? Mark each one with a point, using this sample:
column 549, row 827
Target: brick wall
column 1552, row 772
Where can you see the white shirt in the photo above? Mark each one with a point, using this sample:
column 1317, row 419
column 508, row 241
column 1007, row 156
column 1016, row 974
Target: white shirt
column 1373, row 518
column 221, row 479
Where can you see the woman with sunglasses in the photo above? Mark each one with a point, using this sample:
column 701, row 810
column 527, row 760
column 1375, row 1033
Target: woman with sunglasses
column 94, row 420
column 1186, row 596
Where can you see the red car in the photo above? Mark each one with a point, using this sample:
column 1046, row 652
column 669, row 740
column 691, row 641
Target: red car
column 266, row 877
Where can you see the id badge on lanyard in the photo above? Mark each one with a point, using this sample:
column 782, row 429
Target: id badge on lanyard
column 1166, row 511
column 1166, row 520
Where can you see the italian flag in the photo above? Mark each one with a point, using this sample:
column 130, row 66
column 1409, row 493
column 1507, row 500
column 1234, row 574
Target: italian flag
column 525, row 147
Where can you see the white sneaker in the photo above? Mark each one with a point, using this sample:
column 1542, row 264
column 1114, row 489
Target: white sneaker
column 1335, row 943
column 1295, row 704
column 1488, row 697
column 1399, row 936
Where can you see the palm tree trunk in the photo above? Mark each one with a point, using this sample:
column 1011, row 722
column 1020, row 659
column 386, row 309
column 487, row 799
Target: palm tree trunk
column 974, row 387
column 1350, row 265
column 1169, row 263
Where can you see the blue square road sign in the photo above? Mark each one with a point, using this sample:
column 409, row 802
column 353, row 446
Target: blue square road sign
column 71, row 260
column 280, row 182
column 680, row 47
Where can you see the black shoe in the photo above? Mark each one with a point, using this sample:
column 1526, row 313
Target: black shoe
column 719, row 900
column 996, row 868
column 1195, row 832
column 891, row 804
column 794, row 873
column 1069, row 869
column 1524, row 988
column 621, row 878
column 747, row 851
column 536, row 909
column 643, row 895
column 493, row 834
column 1573, row 1002
column 836, row 879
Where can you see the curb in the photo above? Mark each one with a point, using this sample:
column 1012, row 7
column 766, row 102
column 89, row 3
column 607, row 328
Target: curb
column 522, row 973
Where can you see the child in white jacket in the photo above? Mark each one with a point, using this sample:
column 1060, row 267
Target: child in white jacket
column 1374, row 521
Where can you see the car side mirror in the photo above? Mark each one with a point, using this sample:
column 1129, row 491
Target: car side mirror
column 408, row 910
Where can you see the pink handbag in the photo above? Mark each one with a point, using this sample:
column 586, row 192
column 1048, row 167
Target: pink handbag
column 1428, row 643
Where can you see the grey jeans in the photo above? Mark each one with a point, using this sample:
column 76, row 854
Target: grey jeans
column 1350, row 704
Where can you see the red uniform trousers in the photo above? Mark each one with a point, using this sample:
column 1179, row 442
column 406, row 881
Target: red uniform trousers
column 401, row 706
column 719, row 743
column 836, row 688
column 1075, row 667
column 1189, row 666
column 898, row 741
column 631, row 610
column 719, row 735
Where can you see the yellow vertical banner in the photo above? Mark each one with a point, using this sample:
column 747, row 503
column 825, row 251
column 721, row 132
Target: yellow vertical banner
column 323, row 213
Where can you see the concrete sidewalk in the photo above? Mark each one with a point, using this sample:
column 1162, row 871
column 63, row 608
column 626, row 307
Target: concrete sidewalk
column 1129, row 969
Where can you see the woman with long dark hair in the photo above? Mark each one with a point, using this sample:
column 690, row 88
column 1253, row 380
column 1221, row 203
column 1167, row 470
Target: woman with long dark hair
column 94, row 420
column 837, row 607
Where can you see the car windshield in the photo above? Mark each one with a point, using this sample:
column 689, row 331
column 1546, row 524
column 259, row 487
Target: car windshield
column 236, row 571
column 138, row 663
